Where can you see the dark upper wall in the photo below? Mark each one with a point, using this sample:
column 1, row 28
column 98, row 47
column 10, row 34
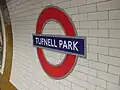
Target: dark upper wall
column 2, row 2
column 4, row 10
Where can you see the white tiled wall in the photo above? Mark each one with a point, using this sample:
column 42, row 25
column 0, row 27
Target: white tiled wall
column 98, row 20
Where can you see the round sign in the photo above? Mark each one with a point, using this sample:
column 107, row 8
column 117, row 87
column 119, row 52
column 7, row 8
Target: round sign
column 55, row 13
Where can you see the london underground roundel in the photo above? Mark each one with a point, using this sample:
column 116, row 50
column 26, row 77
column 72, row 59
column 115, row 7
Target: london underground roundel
column 61, row 43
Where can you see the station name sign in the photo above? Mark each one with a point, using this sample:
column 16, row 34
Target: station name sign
column 65, row 44
column 72, row 45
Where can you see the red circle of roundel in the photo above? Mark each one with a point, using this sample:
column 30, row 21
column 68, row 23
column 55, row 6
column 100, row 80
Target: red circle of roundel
column 54, row 13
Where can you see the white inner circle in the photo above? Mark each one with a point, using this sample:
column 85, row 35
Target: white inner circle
column 52, row 56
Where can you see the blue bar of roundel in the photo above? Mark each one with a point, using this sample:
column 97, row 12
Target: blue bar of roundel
column 80, row 45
